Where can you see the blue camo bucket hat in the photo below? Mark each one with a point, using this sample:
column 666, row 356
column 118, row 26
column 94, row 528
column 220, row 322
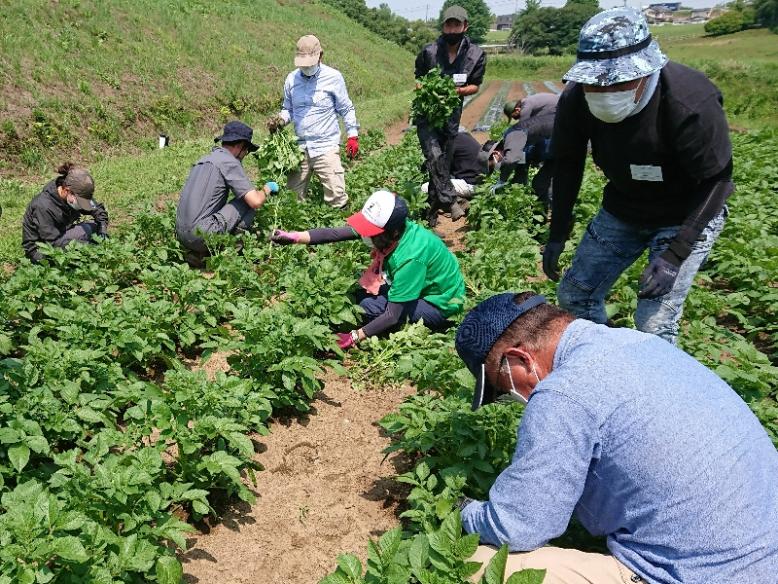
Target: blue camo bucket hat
column 615, row 46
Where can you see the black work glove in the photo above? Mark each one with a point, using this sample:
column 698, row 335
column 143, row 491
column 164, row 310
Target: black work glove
column 275, row 123
column 551, row 255
column 658, row 277
column 463, row 502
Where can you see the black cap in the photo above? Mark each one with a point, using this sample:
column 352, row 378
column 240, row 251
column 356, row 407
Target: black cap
column 236, row 131
column 479, row 332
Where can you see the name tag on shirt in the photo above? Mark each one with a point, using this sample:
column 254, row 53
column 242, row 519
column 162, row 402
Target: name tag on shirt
column 460, row 78
column 646, row 172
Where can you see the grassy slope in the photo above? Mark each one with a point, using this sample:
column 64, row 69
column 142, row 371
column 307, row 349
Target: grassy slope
column 113, row 74
column 105, row 75
column 743, row 65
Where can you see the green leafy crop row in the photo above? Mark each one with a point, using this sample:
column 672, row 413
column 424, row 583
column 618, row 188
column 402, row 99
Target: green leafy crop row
column 729, row 325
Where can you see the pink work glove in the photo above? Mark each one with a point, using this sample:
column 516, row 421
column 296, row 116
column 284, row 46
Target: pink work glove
column 345, row 341
column 285, row 237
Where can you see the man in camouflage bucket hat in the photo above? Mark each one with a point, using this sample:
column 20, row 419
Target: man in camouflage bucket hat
column 660, row 136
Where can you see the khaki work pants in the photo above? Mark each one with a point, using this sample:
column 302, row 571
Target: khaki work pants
column 330, row 172
column 563, row 566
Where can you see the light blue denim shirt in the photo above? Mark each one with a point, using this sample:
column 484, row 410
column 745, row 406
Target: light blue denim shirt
column 314, row 104
column 648, row 447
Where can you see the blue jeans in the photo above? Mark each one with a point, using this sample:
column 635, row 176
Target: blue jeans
column 375, row 306
column 609, row 247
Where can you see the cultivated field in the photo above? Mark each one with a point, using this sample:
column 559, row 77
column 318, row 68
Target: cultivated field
column 163, row 424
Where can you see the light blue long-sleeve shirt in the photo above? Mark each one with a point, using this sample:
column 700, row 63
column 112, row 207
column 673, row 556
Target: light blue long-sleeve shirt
column 314, row 104
column 648, row 447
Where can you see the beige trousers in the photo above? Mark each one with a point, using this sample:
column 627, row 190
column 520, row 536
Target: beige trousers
column 330, row 172
column 563, row 566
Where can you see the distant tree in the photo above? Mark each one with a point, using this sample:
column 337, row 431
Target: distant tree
column 532, row 5
column 594, row 3
column 411, row 35
column 551, row 30
column 746, row 9
column 767, row 13
column 479, row 18
column 729, row 22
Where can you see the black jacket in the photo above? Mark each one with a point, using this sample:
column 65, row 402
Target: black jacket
column 48, row 217
column 682, row 134
column 465, row 164
column 470, row 61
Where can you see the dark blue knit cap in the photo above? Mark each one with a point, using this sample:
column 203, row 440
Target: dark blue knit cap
column 479, row 332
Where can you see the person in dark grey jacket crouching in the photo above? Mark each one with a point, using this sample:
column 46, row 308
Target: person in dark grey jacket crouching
column 54, row 215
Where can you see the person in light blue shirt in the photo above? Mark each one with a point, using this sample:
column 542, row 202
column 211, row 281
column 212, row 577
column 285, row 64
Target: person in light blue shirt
column 634, row 437
column 314, row 96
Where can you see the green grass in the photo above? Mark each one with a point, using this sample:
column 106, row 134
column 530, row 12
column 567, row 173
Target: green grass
column 671, row 32
column 107, row 75
column 743, row 65
column 126, row 183
column 497, row 36
column 527, row 68
column 749, row 45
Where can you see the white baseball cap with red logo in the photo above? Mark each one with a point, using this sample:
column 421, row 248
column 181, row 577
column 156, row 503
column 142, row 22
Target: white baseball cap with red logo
column 383, row 210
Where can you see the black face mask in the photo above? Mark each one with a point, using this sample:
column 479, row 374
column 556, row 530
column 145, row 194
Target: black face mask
column 453, row 38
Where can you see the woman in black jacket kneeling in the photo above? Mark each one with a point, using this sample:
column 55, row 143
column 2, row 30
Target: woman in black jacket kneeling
column 54, row 215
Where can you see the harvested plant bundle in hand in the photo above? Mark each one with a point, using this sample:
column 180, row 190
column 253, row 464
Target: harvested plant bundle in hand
column 278, row 155
column 436, row 99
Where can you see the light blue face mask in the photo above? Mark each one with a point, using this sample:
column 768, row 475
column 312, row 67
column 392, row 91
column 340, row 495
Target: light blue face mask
column 310, row 71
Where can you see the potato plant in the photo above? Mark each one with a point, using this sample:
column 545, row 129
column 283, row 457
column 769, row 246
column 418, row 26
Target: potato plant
column 113, row 441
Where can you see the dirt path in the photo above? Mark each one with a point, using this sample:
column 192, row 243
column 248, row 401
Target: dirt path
column 395, row 132
column 324, row 491
column 516, row 92
column 452, row 234
column 475, row 110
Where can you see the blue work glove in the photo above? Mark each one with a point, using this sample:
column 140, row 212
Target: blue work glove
column 272, row 186
column 658, row 278
column 551, row 255
column 498, row 186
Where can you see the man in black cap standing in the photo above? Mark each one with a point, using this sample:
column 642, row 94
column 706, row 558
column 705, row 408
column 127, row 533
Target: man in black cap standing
column 457, row 57
column 203, row 207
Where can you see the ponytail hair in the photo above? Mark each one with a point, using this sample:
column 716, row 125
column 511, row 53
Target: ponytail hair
column 63, row 171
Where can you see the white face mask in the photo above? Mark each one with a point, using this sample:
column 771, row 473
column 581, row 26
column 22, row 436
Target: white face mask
column 73, row 203
column 310, row 71
column 368, row 241
column 514, row 394
column 612, row 107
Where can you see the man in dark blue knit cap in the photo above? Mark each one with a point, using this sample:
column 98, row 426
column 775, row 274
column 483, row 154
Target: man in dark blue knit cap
column 642, row 443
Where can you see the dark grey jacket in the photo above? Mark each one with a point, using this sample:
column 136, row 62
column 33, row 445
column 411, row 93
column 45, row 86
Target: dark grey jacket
column 48, row 217
column 470, row 61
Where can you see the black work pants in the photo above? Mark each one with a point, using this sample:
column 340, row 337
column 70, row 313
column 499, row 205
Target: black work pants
column 438, row 148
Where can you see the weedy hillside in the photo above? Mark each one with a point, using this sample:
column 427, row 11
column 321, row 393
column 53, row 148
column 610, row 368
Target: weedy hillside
column 89, row 77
